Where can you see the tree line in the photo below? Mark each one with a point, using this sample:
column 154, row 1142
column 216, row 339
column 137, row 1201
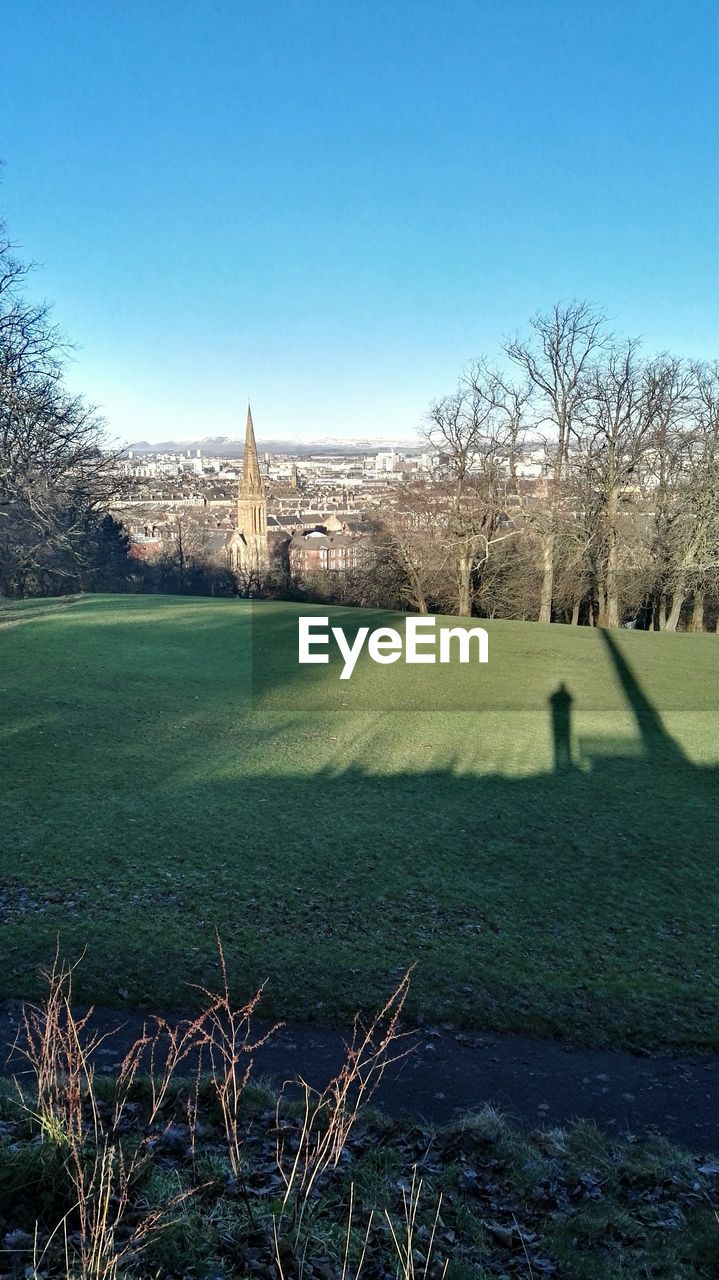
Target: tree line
column 622, row 527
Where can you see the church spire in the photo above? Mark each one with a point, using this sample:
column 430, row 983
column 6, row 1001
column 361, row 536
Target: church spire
column 251, row 485
column 249, row 549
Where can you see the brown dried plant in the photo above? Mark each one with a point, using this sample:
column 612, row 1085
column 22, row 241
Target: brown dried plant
column 413, row 1248
column 227, row 1042
column 306, row 1150
column 415, row 1263
column 58, row 1046
column 157, row 1055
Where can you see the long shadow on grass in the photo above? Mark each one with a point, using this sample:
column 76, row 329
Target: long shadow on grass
column 657, row 743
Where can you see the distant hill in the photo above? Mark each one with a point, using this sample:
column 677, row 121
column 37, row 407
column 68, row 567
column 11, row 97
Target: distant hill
column 228, row 447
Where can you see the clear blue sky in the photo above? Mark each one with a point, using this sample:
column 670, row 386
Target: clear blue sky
column 330, row 207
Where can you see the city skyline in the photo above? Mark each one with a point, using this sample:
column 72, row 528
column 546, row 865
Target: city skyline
column 332, row 211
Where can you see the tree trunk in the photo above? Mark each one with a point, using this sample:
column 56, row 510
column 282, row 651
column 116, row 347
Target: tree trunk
column 697, row 622
column 611, row 603
column 575, row 613
column 662, row 618
column 419, row 596
column 464, row 596
column 675, row 611
column 545, row 607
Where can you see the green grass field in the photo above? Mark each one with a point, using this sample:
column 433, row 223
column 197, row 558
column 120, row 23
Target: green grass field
column 167, row 768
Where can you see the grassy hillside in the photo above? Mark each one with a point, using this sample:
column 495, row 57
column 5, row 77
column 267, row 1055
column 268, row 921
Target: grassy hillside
column 168, row 768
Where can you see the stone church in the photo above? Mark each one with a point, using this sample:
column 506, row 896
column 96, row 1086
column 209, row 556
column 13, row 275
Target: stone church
column 246, row 547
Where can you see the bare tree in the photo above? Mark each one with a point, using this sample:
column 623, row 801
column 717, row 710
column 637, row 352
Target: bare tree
column 471, row 436
column 671, row 394
column 512, row 402
column 557, row 361
column 613, row 431
column 690, row 508
column 706, row 467
column 53, row 471
column 185, row 548
column 413, row 534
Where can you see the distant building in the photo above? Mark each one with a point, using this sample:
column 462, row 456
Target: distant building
column 532, row 466
column 146, row 543
column 386, row 461
column 330, row 547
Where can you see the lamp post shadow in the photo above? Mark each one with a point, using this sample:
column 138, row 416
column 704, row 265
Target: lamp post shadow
column 560, row 704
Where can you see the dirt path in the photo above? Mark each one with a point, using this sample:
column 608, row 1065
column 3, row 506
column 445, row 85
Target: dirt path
column 538, row 1082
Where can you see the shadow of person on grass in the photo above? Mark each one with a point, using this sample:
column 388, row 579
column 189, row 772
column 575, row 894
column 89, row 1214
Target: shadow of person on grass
column 560, row 704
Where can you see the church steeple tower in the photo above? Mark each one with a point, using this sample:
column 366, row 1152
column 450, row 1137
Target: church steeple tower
column 251, row 506
column 251, row 485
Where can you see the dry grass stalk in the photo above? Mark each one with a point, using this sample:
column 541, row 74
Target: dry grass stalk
column 103, row 1179
column 226, row 1039
column 346, row 1274
column 414, row 1262
column 158, row 1054
column 348, row 1238
column 58, row 1047
column 329, row 1116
